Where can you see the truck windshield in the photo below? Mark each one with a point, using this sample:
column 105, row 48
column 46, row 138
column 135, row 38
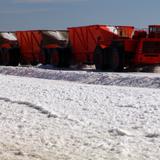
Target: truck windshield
column 154, row 29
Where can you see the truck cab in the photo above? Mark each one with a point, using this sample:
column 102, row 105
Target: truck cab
column 154, row 31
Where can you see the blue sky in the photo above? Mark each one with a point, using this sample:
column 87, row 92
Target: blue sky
column 60, row 14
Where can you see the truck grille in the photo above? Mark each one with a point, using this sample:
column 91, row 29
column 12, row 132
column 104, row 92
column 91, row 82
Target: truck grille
column 151, row 48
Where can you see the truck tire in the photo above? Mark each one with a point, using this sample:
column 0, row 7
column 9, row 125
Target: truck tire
column 5, row 57
column 64, row 57
column 14, row 57
column 47, row 55
column 67, row 55
column 99, row 58
column 115, row 59
column 55, row 58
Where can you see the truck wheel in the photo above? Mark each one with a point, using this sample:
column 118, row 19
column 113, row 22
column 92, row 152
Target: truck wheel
column 14, row 57
column 67, row 56
column 6, row 57
column 23, row 62
column 98, row 58
column 115, row 60
column 64, row 57
column 55, row 58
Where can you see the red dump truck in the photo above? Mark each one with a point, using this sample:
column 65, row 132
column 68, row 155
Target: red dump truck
column 110, row 48
column 41, row 46
column 115, row 48
column 84, row 40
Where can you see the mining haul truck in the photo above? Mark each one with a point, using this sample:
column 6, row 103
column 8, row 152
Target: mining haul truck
column 110, row 48
column 115, row 48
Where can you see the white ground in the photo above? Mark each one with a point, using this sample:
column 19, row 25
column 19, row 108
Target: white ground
column 108, row 119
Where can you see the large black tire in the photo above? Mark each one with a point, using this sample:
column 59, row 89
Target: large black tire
column 5, row 57
column 47, row 56
column 14, row 57
column 115, row 59
column 99, row 58
column 55, row 58
column 23, row 62
column 59, row 57
column 1, row 57
column 64, row 57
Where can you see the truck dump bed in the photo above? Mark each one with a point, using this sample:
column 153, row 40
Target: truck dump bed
column 36, row 46
column 85, row 39
column 30, row 46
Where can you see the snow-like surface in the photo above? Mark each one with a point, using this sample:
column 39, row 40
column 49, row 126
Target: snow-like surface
column 151, row 80
column 59, row 35
column 47, row 119
column 9, row 36
column 113, row 29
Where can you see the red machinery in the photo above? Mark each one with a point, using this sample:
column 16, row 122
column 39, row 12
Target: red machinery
column 84, row 40
column 108, row 47
column 30, row 46
column 55, row 47
column 41, row 46
column 125, row 31
column 113, row 48
column 142, row 48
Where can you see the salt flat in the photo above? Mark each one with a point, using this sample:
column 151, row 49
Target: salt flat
column 45, row 119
